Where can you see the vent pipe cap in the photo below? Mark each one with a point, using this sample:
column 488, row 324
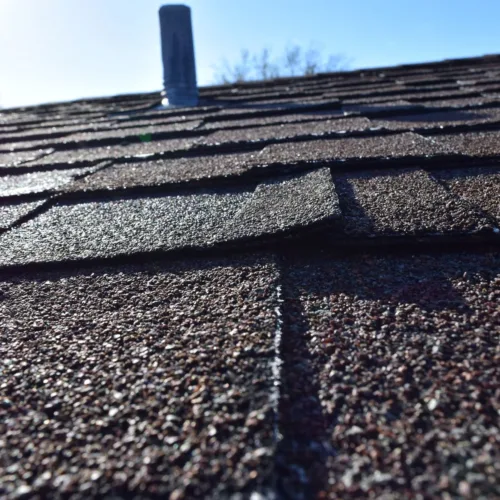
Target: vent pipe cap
column 177, row 48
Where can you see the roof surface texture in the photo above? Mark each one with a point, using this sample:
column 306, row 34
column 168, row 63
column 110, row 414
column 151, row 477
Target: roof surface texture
column 291, row 290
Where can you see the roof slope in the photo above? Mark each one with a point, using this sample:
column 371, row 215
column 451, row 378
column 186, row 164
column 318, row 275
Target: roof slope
column 291, row 290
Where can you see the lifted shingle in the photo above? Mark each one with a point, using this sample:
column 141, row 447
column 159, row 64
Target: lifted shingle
column 286, row 204
column 130, row 225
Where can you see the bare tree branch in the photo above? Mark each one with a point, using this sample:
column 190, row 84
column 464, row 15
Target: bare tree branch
column 293, row 55
column 294, row 62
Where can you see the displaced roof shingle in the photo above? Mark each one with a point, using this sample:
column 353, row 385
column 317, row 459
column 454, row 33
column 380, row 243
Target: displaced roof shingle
column 130, row 225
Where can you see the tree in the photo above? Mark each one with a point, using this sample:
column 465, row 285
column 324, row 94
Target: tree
column 294, row 62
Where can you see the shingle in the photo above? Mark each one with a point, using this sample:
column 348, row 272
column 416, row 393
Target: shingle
column 160, row 172
column 24, row 137
column 133, row 134
column 297, row 103
column 69, row 157
column 455, row 102
column 478, row 144
column 397, row 106
column 8, row 128
column 287, row 130
column 479, row 186
column 389, row 146
column 13, row 159
column 413, row 95
column 389, row 372
column 153, row 120
column 11, row 213
column 123, row 226
column 444, row 94
column 63, row 122
column 383, row 89
column 131, row 225
column 287, row 204
column 262, row 112
column 38, row 182
column 439, row 119
column 17, row 117
column 274, row 120
column 157, row 113
column 140, row 381
column 136, row 132
column 276, row 95
column 403, row 202
column 425, row 80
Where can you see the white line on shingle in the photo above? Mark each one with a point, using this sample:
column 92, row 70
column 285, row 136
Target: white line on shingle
column 277, row 363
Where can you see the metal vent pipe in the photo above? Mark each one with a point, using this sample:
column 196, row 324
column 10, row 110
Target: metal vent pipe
column 177, row 48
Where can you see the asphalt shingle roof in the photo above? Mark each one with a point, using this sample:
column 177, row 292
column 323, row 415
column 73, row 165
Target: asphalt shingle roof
column 289, row 291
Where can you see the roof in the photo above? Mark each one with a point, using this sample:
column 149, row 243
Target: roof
column 289, row 291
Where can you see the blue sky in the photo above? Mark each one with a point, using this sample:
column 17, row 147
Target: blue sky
column 55, row 50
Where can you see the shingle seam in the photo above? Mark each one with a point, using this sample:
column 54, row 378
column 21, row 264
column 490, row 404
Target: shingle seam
column 46, row 205
column 277, row 366
column 102, row 165
column 303, row 448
